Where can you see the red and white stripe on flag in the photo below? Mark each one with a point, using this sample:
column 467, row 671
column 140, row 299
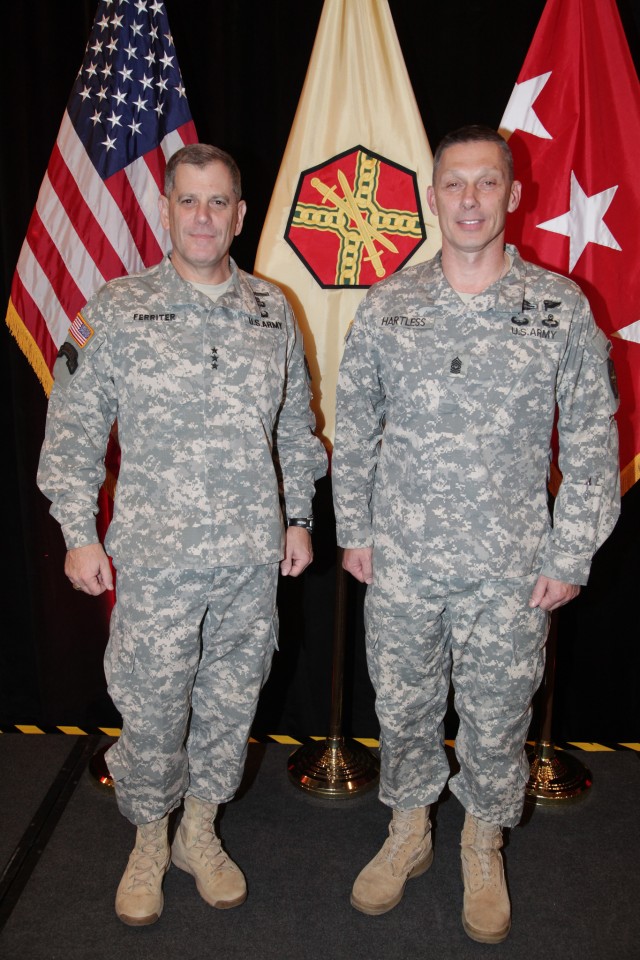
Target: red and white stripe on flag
column 573, row 123
column 96, row 216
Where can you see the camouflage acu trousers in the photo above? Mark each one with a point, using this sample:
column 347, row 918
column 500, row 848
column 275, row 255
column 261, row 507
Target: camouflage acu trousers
column 187, row 655
column 485, row 639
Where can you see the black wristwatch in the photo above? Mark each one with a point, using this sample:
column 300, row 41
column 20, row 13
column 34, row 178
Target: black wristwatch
column 306, row 522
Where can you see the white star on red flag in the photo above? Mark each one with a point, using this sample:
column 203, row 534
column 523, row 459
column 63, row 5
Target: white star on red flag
column 630, row 332
column 520, row 114
column 573, row 124
column 584, row 222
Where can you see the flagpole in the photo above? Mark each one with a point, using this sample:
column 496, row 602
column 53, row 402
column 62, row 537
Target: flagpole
column 554, row 778
column 356, row 155
column 335, row 768
column 573, row 123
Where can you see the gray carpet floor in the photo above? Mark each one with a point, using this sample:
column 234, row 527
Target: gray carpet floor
column 573, row 872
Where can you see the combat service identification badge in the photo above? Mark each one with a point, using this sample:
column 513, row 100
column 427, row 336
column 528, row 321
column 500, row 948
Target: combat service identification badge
column 355, row 219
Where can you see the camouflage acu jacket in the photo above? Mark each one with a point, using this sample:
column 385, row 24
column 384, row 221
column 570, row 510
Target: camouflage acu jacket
column 199, row 391
column 444, row 424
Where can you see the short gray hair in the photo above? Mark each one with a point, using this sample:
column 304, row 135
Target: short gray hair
column 474, row 133
column 201, row 155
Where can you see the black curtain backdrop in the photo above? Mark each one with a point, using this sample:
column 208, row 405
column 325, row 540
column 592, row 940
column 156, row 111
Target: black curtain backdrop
column 243, row 65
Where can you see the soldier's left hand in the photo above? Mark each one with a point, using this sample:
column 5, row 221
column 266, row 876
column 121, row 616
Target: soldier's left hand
column 298, row 552
column 549, row 594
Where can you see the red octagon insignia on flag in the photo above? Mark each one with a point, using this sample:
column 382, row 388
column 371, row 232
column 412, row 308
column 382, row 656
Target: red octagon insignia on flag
column 355, row 219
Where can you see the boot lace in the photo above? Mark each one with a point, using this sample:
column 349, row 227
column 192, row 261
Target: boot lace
column 209, row 846
column 147, row 860
column 483, row 859
column 394, row 850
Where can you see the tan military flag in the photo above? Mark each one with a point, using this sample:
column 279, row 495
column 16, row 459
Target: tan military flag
column 348, row 207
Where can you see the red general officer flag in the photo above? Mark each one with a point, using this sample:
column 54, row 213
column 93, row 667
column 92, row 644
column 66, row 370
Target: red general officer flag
column 96, row 216
column 573, row 123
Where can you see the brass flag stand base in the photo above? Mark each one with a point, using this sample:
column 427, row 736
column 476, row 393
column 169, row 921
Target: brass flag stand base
column 555, row 777
column 98, row 768
column 335, row 768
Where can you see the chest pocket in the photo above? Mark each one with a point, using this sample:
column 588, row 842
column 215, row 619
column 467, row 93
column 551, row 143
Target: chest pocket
column 160, row 365
column 502, row 368
column 475, row 372
column 244, row 361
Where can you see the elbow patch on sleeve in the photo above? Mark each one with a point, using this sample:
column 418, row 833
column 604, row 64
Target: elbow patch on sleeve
column 601, row 346
column 613, row 379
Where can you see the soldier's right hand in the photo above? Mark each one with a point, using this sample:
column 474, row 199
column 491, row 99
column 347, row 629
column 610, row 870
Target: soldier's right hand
column 88, row 569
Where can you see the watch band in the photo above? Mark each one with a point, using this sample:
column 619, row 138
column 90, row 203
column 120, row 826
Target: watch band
column 306, row 522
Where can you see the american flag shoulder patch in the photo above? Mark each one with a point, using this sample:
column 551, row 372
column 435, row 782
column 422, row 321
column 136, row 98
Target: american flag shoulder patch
column 80, row 330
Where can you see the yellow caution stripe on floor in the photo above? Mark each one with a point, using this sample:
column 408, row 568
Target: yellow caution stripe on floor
column 586, row 746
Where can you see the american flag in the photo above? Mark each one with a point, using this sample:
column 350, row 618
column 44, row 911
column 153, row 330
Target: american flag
column 96, row 216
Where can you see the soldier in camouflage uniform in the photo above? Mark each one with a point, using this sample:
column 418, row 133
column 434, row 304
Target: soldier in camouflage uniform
column 203, row 367
column 446, row 398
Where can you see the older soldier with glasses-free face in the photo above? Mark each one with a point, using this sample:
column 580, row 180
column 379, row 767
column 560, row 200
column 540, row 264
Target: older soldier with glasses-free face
column 203, row 367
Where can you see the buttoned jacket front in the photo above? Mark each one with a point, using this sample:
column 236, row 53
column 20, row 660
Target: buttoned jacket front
column 445, row 417
column 201, row 390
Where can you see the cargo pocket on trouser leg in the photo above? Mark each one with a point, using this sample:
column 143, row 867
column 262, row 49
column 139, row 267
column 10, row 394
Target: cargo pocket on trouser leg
column 272, row 647
column 119, row 659
column 119, row 772
column 116, row 768
column 119, row 662
column 148, row 762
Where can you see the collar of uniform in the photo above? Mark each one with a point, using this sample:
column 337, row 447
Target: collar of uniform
column 436, row 291
column 182, row 292
column 434, row 287
column 507, row 297
column 243, row 289
column 511, row 289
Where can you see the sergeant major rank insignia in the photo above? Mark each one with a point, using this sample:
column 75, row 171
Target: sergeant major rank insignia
column 355, row 219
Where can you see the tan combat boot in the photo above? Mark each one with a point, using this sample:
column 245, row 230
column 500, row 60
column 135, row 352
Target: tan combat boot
column 406, row 853
column 139, row 897
column 198, row 850
column 486, row 913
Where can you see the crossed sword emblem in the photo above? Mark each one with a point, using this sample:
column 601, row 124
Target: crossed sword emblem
column 349, row 206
